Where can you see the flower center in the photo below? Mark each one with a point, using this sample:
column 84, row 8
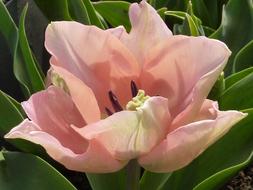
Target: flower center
column 137, row 101
column 58, row 81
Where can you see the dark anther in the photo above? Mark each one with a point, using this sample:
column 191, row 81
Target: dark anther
column 108, row 111
column 115, row 103
column 134, row 88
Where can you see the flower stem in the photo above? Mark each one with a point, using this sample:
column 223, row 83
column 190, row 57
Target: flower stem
column 133, row 175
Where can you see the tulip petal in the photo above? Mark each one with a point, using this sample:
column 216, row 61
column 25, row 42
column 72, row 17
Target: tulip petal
column 148, row 29
column 95, row 56
column 185, row 143
column 128, row 134
column 82, row 95
column 118, row 31
column 184, row 68
column 93, row 157
column 196, row 98
column 54, row 111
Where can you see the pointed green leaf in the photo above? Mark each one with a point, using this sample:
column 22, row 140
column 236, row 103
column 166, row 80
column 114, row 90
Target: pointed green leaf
column 236, row 28
column 25, row 68
column 177, row 14
column 244, row 58
column 161, row 12
column 54, row 10
column 94, row 18
column 232, row 79
column 189, row 26
column 9, row 114
column 161, row 3
column 231, row 99
column 28, row 172
column 115, row 12
column 208, row 31
column 207, row 11
column 179, row 5
column 218, row 88
column 78, row 11
column 217, row 180
column 8, row 28
column 108, row 181
column 8, row 41
column 151, row 181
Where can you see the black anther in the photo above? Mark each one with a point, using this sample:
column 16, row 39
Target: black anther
column 115, row 103
column 134, row 88
column 108, row 111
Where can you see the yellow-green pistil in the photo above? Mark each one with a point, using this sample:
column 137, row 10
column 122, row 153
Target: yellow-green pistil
column 58, row 81
column 137, row 101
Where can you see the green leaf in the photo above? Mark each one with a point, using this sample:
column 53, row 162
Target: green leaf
column 54, row 10
column 208, row 31
column 8, row 41
column 231, row 99
column 232, row 79
column 115, row 12
column 188, row 27
column 9, row 114
column 191, row 25
column 179, row 5
column 236, row 28
column 151, row 181
column 25, row 68
column 207, row 11
column 161, row 12
column 244, row 58
column 218, row 88
column 94, row 18
column 108, row 181
column 161, row 3
column 177, row 14
column 27, row 172
column 78, row 11
column 219, row 179
column 8, row 28
column 233, row 149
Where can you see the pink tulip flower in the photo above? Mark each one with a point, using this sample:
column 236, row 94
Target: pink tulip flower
column 119, row 96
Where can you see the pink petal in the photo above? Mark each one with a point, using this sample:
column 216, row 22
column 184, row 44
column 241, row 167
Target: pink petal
column 148, row 29
column 82, row 95
column 118, row 31
column 93, row 157
column 54, row 111
column 184, row 69
column 185, row 143
column 128, row 134
column 196, row 98
column 95, row 56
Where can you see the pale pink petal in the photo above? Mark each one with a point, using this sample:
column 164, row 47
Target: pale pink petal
column 54, row 111
column 196, row 98
column 82, row 95
column 208, row 110
column 128, row 134
column 118, row 31
column 185, row 143
column 95, row 56
column 184, row 69
column 148, row 29
column 93, row 157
